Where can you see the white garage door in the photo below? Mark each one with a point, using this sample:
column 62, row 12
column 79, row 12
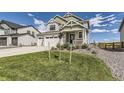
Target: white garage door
column 53, row 41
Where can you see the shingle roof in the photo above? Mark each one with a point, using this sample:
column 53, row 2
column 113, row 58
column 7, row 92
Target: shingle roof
column 11, row 24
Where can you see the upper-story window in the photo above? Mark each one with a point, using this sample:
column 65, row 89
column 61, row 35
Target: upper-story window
column 28, row 31
column 33, row 33
column 6, row 32
column 80, row 34
column 52, row 27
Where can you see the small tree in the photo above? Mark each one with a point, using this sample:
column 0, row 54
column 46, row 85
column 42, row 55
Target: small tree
column 70, row 57
column 49, row 51
column 60, row 37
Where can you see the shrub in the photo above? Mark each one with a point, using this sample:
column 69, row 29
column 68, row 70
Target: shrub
column 89, row 49
column 94, row 52
column 77, row 46
column 73, row 47
column 58, row 45
column 62, row 46
column 84, row 46
column 53, row 48
column 66, row 45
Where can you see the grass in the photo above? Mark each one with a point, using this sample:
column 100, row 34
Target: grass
column 36, row 66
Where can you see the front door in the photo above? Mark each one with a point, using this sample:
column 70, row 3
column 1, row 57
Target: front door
column 72, row 37
column 14, row 41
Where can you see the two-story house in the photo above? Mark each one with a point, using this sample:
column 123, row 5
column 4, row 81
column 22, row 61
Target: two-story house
column 121, row 30
column 75, row 30
column 12, row 34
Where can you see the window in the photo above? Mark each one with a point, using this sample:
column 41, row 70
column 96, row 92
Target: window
column 52, row 27
column 40, row 38
column 33, row 33
column 6, row 32
column 28, row 31
column 80, row 34
column 47, row 37
column 56, row 37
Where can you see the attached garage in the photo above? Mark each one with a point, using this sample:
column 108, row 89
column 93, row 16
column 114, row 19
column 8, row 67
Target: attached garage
column 52, row 40
column 3, row 41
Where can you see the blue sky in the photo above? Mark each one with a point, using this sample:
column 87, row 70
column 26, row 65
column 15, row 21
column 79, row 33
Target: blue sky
column 104, row 25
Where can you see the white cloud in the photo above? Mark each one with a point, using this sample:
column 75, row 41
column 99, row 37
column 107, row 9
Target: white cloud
column 99, row 30
column 38, row 21
column 111, row 19
column 104, row 30
column 29, row 14
column 114, row 31
column 115, row 21
column 23, row 24
column 40, row 25
column 112, row 15
column 98, row 20
column 100, row 25
column 106, row 40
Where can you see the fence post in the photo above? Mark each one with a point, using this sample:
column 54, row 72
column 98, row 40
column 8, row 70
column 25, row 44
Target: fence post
column 70, row 58
column 113, row 45
column 105, row 45
column 49, row 51
column 122, row 44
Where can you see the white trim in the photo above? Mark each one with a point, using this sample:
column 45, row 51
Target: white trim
column 78, row 35
column 59, row 17
column 74, row 16
column 74, row 22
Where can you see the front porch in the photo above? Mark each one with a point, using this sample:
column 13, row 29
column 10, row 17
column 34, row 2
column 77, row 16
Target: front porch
column 73, row 38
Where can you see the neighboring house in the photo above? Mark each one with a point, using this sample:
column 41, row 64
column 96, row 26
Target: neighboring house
column 12, row 34
column 121, row 30
column 75, row 31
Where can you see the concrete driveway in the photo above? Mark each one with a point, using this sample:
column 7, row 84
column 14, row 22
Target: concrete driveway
column 20, row 50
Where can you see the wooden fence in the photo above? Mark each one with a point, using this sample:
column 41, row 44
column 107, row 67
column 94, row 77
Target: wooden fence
column 111, row 45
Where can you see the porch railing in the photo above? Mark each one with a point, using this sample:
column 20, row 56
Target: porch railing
column 77, row 42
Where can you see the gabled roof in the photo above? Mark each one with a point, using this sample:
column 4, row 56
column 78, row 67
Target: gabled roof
column 70, row 14
column 29, row 26
column 53, row 21
column 11, row 24
column 58, row 17
column 15, row 26
column 74, row 22
column 122, row 23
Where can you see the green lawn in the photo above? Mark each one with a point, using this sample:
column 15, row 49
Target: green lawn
column 36, row 66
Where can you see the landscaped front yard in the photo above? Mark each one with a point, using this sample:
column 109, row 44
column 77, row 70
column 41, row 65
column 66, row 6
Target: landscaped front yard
column 36, row 66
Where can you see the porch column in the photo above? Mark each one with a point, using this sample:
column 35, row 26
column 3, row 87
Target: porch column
column 64, row 38
column 83, row 35
column 9, row 41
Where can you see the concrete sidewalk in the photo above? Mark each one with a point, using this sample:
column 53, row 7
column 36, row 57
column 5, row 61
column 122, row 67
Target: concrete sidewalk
column 20, row 50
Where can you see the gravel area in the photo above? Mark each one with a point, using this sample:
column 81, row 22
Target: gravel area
column 114, row 60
